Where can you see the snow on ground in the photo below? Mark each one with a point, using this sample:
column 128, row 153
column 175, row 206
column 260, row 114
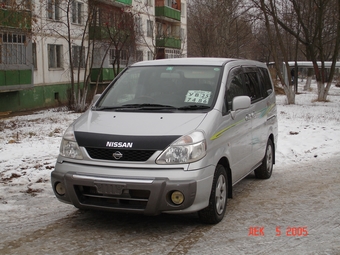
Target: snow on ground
column 29, row 144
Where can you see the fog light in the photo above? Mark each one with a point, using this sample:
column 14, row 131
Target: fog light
column 177, row 197
column 60, row 189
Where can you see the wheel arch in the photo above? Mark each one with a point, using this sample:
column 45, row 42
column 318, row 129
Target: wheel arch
column 225, row 163
column 271, row 137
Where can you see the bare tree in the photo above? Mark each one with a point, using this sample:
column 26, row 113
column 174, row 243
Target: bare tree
column 220, row 29
column 119, row 32
column 276, row 40
column 318, row 30
column 93, row 31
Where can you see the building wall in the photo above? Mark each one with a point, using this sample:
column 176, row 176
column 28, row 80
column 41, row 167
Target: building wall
column 50, row 86
column 34, row 98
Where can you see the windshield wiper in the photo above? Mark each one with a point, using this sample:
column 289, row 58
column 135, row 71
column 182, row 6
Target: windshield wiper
column 194, row 107
column 135, row 106
column 150, row 106
column 101, row 108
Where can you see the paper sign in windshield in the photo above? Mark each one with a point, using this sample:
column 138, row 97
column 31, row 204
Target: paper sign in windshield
column 198, row 96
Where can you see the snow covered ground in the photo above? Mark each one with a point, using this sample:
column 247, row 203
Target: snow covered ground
column 308, row 131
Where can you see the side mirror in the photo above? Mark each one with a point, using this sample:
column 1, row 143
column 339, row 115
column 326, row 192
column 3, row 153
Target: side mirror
column 241, row 102
column 95, row 98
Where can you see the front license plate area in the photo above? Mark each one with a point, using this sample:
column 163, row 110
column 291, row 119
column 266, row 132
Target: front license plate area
column 109, row 188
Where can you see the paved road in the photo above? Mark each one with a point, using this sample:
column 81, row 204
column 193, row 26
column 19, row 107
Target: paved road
column 264, row 217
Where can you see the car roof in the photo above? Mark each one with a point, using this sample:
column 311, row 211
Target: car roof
column 195, row 62
column 186, row 61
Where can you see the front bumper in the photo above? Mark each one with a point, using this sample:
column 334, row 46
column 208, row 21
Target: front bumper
column 149, row 196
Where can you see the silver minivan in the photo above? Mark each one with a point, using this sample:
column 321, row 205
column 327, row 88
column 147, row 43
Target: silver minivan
column 171, row 136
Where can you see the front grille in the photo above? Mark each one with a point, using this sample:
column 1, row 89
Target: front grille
column 128, row 155
column 129, row 199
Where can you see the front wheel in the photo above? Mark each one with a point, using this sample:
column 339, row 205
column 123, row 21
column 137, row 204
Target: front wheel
column 265, row 170
column 215, row 211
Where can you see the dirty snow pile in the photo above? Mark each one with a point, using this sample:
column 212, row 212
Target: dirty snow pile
column 29, row 144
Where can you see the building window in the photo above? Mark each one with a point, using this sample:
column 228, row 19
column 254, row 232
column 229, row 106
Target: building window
column 77, row 10
column 97, row 57
column 149, row 32
column 78, row 56
column 139, row 55
column 148, row 2
column 53, row 9
column 150, row 55
column 182, row 10
column 12, row 49
column 55, row 56
column 121, row 54
column 160, row 31
column 172, row 53
column 182, row 35
column 34, row 56
column 138, row 25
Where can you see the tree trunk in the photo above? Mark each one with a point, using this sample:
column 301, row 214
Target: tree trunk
column 290, row 93
column 308, row 80
column 308, row 83
column 321, row 91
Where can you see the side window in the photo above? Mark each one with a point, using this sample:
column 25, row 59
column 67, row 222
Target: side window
column 235, row 87
column 252, row 86
column 265, row 82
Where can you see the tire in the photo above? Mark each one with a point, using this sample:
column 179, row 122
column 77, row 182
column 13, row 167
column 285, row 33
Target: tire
column 265, row 170
column 215, row 211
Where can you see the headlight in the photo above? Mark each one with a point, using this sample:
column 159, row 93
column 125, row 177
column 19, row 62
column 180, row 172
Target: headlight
column 187, row 149
column 69, row 147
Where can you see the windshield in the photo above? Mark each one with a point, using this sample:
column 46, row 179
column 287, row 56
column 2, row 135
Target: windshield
column 163, row 87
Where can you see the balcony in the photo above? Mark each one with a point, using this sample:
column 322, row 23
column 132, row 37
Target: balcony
column 127, row 2
column 105, row 33
column 168, row 42
column 99, row 33
column 14, row 80
column 15, row 19
column 106, row 75
column 168, row 12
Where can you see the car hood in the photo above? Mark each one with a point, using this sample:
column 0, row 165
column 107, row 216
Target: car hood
column 138, row 123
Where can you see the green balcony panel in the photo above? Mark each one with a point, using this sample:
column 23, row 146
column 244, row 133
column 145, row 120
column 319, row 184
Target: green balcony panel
column 106, row 74
column 165, row 11
column 25, row 76
column 168, row 42
column 16, row 19
column 2, row 78
column 128, row 2
column 105, row 33
column 99, row 33
column 15, row 77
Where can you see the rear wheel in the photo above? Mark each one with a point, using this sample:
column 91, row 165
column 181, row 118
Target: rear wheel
column 215, row 211
column 265, row 170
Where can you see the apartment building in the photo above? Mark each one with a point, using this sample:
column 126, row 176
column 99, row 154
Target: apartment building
column 45, row 46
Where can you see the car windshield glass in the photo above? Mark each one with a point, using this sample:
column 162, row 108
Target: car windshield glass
column 169, row 86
